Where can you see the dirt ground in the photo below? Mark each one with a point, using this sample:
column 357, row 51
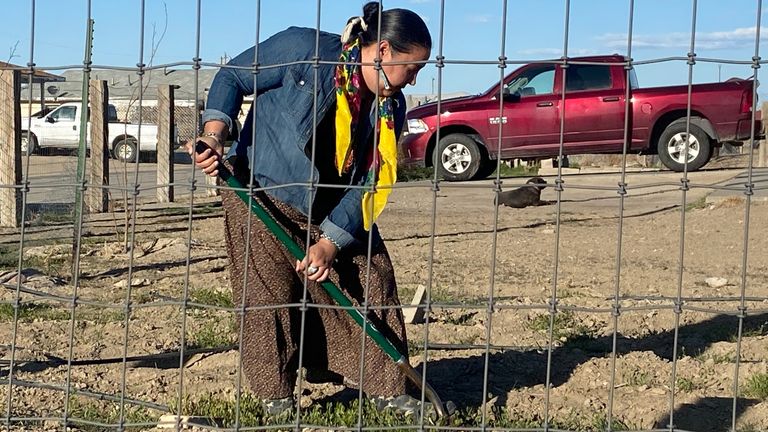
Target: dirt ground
column 523, row 259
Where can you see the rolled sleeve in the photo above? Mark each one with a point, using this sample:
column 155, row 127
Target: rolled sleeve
column 212, row 114
column 344, row 224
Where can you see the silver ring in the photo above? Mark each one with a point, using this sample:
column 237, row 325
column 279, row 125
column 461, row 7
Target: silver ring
column 312, row 270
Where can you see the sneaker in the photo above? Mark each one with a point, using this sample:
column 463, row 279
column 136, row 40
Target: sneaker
column 277, row 407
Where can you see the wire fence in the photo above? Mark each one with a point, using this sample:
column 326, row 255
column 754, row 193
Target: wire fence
column 628, row 300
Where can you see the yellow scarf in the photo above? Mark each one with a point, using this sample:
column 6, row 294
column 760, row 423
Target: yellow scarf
column 383, row 165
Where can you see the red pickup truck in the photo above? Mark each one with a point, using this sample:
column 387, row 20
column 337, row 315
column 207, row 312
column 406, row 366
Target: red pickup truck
column 594, row 122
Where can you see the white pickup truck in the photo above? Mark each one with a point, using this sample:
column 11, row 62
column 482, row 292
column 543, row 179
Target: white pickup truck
column 60, row 128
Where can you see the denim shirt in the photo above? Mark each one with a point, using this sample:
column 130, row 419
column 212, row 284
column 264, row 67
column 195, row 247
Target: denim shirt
column 285, row 121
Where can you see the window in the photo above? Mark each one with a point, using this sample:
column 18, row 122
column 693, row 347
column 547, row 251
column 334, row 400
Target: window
column 66, row 113
column 533, row 82
column 587, row 77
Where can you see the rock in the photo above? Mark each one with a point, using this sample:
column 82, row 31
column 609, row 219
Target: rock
column 134, row 283
column 716, row 282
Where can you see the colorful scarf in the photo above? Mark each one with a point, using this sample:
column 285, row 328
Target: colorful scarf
column 382, row 166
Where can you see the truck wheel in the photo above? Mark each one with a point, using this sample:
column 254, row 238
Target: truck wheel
column 458, row 157
column 671, row 147
column 126, row 150
column 28, row 146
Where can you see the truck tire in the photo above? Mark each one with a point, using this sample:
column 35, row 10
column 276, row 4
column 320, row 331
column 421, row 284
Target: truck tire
column 28, row 146
column 671, row 146
column 458, row 157
column 126, row 150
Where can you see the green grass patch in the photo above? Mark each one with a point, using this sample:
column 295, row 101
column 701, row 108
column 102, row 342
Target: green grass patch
column 519, row 171
column 565, row 325
column 699, row 204
column 212, row 297
column 212, row 333
column 757, row 386
column 686, row 385
column 29, row 312
column 223, row 413
column 416, row 173
column 81, row 408
column 637, row 377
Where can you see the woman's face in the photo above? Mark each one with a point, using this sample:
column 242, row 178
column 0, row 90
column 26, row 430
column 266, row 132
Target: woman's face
column 398, row 75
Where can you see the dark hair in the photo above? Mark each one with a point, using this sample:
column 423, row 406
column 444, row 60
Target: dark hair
column 402, row 28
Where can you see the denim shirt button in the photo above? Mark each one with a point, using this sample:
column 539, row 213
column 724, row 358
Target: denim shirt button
column 301, row 83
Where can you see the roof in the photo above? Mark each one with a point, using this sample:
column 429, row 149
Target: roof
column 38, row 77
column 125, row 84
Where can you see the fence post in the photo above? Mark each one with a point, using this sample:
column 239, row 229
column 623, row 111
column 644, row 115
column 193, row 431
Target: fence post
column 761, row 151
column 165, row 124
column 10, row 148
column 97, row 195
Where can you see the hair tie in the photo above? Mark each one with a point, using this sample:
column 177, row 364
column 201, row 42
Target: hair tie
column 346, row 35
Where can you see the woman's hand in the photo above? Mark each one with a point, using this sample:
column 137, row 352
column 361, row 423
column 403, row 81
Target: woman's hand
column 318, row 261
column 209, row 160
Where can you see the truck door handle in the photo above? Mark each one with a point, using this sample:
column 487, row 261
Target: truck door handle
column 611, row 99
column 74, row 127
column 544, row 104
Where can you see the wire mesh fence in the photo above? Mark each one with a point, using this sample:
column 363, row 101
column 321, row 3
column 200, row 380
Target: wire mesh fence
column 630, row 298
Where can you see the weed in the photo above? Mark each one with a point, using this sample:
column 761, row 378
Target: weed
column 213, row 333
column 29, row 312
column 565, row 325
column 699, row 204
column 637, row 378
column 211, row 297
column 686, row 385
column 757, row 386
column 105, row 413
column 460, row 319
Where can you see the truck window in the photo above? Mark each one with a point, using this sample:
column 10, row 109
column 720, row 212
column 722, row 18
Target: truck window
column 111, row 113
column 588, row 77
column 66, row 113
column 536, row 81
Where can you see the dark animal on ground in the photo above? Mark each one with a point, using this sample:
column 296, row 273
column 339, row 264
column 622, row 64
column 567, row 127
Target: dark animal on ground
column 528, row 195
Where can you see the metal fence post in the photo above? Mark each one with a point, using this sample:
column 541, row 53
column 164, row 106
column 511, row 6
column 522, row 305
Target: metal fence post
column 97, row 194
column 165, row 142
column 761, row 153
column 10, row 148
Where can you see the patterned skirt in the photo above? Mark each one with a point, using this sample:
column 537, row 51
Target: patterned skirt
column 273, row 333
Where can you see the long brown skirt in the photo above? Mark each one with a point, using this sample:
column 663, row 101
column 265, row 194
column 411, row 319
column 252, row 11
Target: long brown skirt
column 332, row 341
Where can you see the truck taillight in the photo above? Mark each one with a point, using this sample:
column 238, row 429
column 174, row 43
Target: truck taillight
column 746, row 101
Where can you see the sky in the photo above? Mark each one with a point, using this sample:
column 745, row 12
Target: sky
column 472, row 31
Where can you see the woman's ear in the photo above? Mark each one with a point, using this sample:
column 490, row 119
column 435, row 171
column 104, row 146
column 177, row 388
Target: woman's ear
column 384, row 48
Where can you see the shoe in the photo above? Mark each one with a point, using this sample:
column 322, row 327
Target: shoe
column 277, row 407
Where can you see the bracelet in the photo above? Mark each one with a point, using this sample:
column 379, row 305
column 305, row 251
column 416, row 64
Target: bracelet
column 325, row 236
column 214, row 135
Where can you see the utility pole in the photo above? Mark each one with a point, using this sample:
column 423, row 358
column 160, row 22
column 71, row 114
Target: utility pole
column 719, row 67
column 83, row 144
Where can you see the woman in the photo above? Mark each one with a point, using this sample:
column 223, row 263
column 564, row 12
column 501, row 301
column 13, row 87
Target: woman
column 282, row 147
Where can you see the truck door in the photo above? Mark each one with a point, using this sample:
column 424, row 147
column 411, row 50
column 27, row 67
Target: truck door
column 531, row 113
column 64, row 130
column 594, row 109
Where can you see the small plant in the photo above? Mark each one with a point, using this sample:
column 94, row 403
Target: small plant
column 211, row 297
column 757, row 386
column 699, row 204
column 29, row 312
column 106, row 413
column 637, row 378
column 686, row 385
column 565, row 325
column 213, row 333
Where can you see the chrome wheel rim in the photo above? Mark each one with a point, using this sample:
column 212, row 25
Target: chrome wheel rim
column 676, row 147
column 456, row 158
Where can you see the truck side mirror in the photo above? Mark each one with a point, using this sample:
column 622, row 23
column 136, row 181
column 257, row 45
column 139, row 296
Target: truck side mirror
column 50, row 119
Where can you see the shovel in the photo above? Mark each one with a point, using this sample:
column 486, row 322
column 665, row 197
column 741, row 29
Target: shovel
column 334, row 291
